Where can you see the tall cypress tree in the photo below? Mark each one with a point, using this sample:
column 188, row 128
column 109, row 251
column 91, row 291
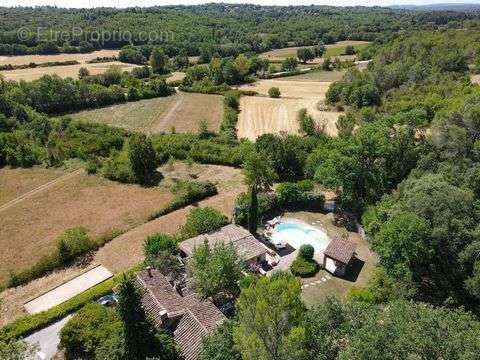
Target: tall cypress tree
column 141, row 337
column 253, row 211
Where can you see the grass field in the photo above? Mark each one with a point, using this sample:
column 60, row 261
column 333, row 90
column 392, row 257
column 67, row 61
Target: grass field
column 319, row 76
column 81, row 58
column 62, row 71
column 184, row 111
column 30, row 227
column 333, row 50
column 261, row 115
column 16, row 182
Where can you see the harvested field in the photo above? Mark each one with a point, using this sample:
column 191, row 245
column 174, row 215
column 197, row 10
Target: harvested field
column 18, row 181
column 81, row 58
column 262, row 115
column 113, row 254
column 184, row 111
column 62, row 71
column 321, row 76
column 332, row 50
column 31, row 226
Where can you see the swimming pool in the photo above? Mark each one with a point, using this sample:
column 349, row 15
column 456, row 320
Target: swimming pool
column 298, row 234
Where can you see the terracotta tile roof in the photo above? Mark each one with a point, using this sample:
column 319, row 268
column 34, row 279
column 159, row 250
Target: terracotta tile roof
column 245, row 243
column 340, row 249
column 196, row 317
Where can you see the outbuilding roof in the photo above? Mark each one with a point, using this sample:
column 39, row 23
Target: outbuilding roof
column 244, row 243
column 340, row 250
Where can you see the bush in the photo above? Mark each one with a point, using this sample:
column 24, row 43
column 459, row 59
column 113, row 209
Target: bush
column 303, row 268
column 72, row 243
column 157, row 243
column 186, row 192
column 267, row 204
column 300, row 195
column 203, row 220
column 306, row 252
column 274, row 92
column 88, row 330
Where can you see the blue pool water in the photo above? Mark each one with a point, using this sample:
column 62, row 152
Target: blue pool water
column 298, row 234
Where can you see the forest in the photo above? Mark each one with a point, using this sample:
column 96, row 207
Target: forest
column 196, row 29
column 405, row 165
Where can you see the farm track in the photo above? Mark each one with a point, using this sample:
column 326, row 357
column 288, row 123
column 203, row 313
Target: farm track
column 39, row 189
column 164, row 119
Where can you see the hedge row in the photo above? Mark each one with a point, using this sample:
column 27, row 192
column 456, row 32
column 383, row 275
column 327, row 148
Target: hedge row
column 188, row 193
column 30, row 323
column 35, row 65
column 58, row 259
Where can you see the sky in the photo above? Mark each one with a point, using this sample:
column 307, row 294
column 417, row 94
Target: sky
column 130, row 3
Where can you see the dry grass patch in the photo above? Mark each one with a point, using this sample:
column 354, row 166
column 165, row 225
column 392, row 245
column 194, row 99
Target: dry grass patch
column 18, row 181
column 62, row 71
column 81, row 58
column 30, row 227
column 261, row 115
column 183, row 111
column 332, row 50
column 319, row 76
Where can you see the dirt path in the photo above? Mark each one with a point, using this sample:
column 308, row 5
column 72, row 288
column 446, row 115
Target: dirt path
column 159, row 127
column 39, row 189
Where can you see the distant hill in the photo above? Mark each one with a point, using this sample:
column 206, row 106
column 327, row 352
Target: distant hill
column 442, row 6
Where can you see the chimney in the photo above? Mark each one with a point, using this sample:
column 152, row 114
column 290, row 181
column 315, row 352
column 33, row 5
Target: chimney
column 149, row 270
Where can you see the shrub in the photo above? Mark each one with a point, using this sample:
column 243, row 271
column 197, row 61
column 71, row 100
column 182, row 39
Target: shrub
column 267, row 203
column 203, row 220
column 88, row 330
column 186, row 192
column 303, row 268
column 300, row 195
column 274, row 92
column 72, row 243
column 156, row 243
column 306, row 252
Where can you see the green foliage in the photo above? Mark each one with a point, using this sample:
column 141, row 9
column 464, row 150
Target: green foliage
column 72, row 243
column 274, row 92
column 270, row 313
column 143, row 159
column 303, row 267
column 158, row 61
column 186, row 192
column 220, row 345
column 228, row 127
column 216, row 271
column 203, row 220
column 305, row 54
column 140, row 336
column 300, row 195
column 354, row 330
column 85, row 334
column 306, row 122
column 16, row 350
column 289, row 64
column 258, row 170
column 306, row 252
column 253, row 211
column 266, row 204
